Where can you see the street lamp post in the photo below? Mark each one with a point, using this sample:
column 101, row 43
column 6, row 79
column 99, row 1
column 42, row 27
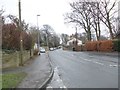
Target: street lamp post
column 38, row 33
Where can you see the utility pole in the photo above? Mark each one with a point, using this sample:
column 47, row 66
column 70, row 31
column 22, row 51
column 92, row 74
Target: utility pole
column 21, row 39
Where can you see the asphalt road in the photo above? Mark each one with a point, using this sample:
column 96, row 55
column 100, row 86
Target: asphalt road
column 83, row 70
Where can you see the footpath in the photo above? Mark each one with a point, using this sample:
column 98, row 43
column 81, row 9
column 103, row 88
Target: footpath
column 38, row 72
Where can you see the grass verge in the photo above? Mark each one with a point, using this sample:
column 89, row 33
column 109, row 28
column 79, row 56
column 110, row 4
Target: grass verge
column 12, row 80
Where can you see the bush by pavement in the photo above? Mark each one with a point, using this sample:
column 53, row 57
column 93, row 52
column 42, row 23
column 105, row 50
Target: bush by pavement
column 116, row 45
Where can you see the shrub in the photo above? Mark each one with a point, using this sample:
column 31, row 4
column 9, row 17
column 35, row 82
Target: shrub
column 116, row 45
column 8, row 51
column 106, row 46
column 87, row 46
column 36, row 52
column 91, row 46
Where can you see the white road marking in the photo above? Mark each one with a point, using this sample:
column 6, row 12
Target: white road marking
column 85, row 59
column 91, row 56
column 99, row 63
column 49, row 87
column 60, row 87
column 92, row 61
column 56, row 81
column 59, row 80
column 64, row 87
column 113, row 65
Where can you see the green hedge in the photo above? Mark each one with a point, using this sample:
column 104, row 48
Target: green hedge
column 116, row 45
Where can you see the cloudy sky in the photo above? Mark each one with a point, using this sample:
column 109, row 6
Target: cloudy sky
column 51, row 12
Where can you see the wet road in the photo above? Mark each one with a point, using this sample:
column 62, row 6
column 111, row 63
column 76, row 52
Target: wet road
column 83, row 70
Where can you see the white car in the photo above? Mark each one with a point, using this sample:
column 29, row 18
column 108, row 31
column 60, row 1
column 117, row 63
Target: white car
column 51, row 49
column 42, row 50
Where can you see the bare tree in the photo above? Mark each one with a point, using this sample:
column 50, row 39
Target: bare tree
column 15, row 20
column 80, row 15
column 52, row 38
column 106, row 10
column 1, row 12
column 89, row 15
column 95, row 14
column 65, row 38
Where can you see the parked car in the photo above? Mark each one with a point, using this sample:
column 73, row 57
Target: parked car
column 54, row 48
column 42, row 50
column 51, row 49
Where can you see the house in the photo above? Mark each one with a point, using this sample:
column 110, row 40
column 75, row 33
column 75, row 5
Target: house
column 35, row 46
column 73, row 43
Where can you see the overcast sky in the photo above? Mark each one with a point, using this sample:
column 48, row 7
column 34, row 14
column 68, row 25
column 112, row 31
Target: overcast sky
column 51, row 12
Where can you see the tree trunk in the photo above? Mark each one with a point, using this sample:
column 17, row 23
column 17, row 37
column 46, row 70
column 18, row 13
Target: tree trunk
column 109, row 26
column 110, row 30
column 99, row 32
column 89, row 35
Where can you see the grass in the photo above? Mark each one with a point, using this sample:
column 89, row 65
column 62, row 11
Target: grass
column 12, row 80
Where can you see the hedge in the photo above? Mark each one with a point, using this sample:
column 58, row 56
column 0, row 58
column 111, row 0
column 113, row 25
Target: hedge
column 91, row 46
column 105, row 46
column 116, row 45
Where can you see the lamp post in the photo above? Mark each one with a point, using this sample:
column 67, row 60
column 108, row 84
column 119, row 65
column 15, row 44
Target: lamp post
column 38, row 32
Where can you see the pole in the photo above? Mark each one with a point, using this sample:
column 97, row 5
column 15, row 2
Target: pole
column 47, row 40
column 38, row 33
column 76, row 39
column 21, row 40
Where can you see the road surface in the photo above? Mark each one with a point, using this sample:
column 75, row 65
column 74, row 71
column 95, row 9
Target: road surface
column 83, row 70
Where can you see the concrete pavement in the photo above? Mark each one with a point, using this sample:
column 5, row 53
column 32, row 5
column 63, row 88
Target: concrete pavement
column 39, row 72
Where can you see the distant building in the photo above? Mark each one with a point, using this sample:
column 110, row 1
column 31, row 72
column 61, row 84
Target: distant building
column 72, row 42
column 35, row 46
